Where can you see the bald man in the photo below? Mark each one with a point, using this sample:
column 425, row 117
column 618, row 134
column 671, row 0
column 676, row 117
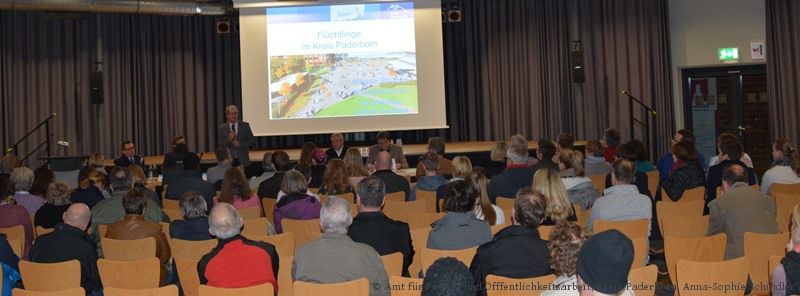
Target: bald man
column 69, row 241
column 383, row 170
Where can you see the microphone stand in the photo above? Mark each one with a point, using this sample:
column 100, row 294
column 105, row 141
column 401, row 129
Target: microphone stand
column 645, row 124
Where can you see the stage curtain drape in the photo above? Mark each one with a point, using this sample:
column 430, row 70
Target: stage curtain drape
column 626, row 47
column 783, row 72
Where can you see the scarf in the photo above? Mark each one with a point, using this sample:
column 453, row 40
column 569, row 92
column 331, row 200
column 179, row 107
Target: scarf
column 791, row 265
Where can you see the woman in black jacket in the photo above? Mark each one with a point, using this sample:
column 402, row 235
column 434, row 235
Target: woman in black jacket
column 686, row 172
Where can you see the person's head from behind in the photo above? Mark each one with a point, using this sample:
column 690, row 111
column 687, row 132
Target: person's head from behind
column 266, row 162
column 782, row 149
column 337, row 141
column 42, row 178
column 334, row 217
column 529, row 208
column 563, row 245
column 223, row 155
column 623, row 172
column 546, row 149
column 77, row 215
column 683, row 134
column 612, row 137
column 92, row 177
column 224, row 221
column 594, row 148
column 517, row 155
column 565, row 141
column 604, row 262
column 571, row 159
column 462, row 167
column 382, row 139
column 22, row 177
column 460, row 196
column 431, row 163
column 234, row 185
column 481, row 183
column 498, row 153
column 96, row 160
column 730, row 149
column 6, row 187
column 518, row 140
column 548, row 182
column 685, row 151
column 120, row 179
column 191, row 162
column 137, row 173
column 294, row 182
column 384, row 161
column 624, row 151
column 281, row 161
column 370, row 192
column 193, row 205
column 9, row 163
column 306, row 154
column 58, row 194
column 732, row 174
column 134, row 202
column 638, row 149
column 448, row 277
column 335, row 176
column 436, row 145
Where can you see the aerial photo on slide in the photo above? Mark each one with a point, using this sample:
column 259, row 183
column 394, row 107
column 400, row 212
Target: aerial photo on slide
column 342, row 85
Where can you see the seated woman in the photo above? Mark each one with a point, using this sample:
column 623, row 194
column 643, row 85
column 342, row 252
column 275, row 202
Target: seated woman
column 459, row 228
column 13, row 214
column 42, row 178
column 484, row 209
column 786, row 276
column 335, row 181
column 90, row 187
column 564, row 244
column 498, row 157
column 317, row 169
column 558, row 208
column 56, row 203
column 579, row 187
column 625, row 151
column 297, row 203
column 639, row 150
column 462, row 167
column 356, row 170
column 785, row 166
column 139, row 183
column 236, row 191
column 686, row 172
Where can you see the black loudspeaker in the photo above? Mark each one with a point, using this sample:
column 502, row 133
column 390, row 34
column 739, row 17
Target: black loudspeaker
column 223, row 26
column 96, row 87
column 578, row 75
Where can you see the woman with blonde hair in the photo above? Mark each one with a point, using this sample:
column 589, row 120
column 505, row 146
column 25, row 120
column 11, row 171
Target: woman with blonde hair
column 548, row 182
column 57, row 202
column 97, row 161
column 579, row 187
column 335, row 181
column 236, row 191
column 462, row 168
column 484, row 209
column 498, row 157
column 139, row 183
column 90, row 188
column 355, row 164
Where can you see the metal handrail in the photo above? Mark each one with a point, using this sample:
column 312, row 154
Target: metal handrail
column 46, row 123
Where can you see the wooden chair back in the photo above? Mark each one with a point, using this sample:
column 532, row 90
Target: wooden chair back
column 703, row 249
column 785, row 205
column 170, row 290
column 395, row 196
column 400, row 210
column 530, row 283
column 284, row 243
column 643, row 280
column 708, row 274
column 692, row 208
column 285, row 278
column 419, row 239
column 128, row 250
column 685, row 226
column 599, row 182
column 423, row 220
column 269, row 208
column 774, row 261
column 305, row 231
column 693, row 194
column 258, row 226
column 506, row 204
column 652, row 182
column 140, row 274
column 173, row 214
column 428, row 198
column 758, row 248
column 545, row 230
column 428, row 256
column 15, row 233
column 187, row 273
column 251, row 213
column 48, row 277
column 582, row 215
column 359, row 287
column 171, row 204
column 42, row 231
column 632, row 229
column 102, row 229
column 403, row 286
column 191, row 249
column 640, row 251
column 393, row 263
column 265, row 289
column 787, row 189
column 71, row 292
column 17, row 246
column 165, row 230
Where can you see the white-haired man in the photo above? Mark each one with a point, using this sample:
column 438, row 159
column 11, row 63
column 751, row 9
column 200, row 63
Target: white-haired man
column 236, row 135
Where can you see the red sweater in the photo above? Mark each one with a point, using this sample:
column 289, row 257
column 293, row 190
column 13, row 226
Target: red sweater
column 238, row 263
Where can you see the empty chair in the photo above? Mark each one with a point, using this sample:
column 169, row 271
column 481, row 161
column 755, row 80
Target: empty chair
column 305, row 231
column 44, row 277
column 632, row 229
column 403, row 286
column 758, row 248
column 699, row 278
column 531, row 283
column 284, row 243
column 393, row 263
column 191, row 249
column 400, row 210
column 258, row 226
column 263, row 289
column 643, row 280
column 140, row 274
column 685, row 226
column 423, row 220
column 703, row 249
column 428, row 256
column 506, row 204
column 359, row 287
column 250, row 213
column 395, row 196
column 170, row 204
column 187, row 273
column 42, row 231
column 690, row 208
column 429, row 199
column 128, row 250
column 173, row 214
column 71, row 292
column 785, row 204
column 170, row 290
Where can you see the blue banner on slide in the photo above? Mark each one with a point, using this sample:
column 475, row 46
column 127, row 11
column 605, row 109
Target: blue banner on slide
column 333, row 13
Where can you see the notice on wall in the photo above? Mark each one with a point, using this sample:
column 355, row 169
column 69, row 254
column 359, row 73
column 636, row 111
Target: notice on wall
column 757, row 49
column 704, row 105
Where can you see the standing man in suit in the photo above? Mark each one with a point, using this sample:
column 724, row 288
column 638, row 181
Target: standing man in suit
column 338, row 148
column 128, row 156
column 236, row 135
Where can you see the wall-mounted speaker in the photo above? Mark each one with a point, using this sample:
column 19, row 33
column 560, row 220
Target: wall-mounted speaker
column 96, row 87
column 223, row 26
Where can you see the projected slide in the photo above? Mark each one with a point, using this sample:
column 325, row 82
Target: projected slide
column 341, row 60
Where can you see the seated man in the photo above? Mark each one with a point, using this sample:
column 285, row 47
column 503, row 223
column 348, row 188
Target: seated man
column 194, row 226
column 69, row 241
column 336, row 258
column 621, row 202
column 110, row 211
column 191, row 180
column 432, row 179
column 338, row 149
column 270, row 187
column 134, row 226
column 730, row 151
column 373, row 228
column 517, row 251
column 743, row 209
column 224, row 162
column 394, row 182
column 128, row 156
column 545, row 152
column 604, row 262
column 236, row 262
column 384, row 145
column 516, row 175
column 436, row 146
column 269, row 171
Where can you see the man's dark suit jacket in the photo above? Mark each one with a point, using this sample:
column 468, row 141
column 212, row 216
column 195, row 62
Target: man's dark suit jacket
column 385, row 235
column 192, row 182
column 246, row 139
column 331, row 153
column 507, row 183
column 270, row 187
column 123, row 161
column 394, row 182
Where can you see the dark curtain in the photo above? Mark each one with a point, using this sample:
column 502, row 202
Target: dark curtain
column 626, row 47
column 783, row 72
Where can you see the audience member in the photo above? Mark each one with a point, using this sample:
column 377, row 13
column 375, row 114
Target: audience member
column 639, row 152
column 548, row 183
column 579, row 187
column 432, row 178
column 545, row 153
column 686, row 172
column 317, row 169
column 462, row 168
column 306, row 158
column 9, row 266
column 272, row 186
column 665, row 163
column 236, row 262
column 194, row 226
column 139, row 181
column 563, row 246
column 604, row 262
column 236, row 191
column 8, row 163
column 338, row 148
column 175, row 157
column 515, row 176
column 384, row 145
column 42, row 178
column 236, row 135
column 335, row 181
column 730, row 150
column 785, row 166
column 13, row 214
column 484, row 209
column 269, row 170
column 595, row 163
column 498, row 160
column 297, row 203
column 621, row 202
column 745, row 158
column 191, row 180
column 625, row 151
column 128, row 156
column 22, row 178
column 69, row 241
column 56, row 204
column 516, row 251
column 743, row 209
column 459, row 228
column 111, row 210
column 354, row 163
column 134, row 226
column 394, row 182
column 97, row 162
column 520, row 140
column 436, row 146
column 224, row 162
column 373, row 228
column 786, row 276
column 90, row 189
column 336, row 258
column 612, row 138
column 448, row 277
column 565, row 141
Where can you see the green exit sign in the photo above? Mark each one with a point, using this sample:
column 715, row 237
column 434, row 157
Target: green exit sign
column 728, row 54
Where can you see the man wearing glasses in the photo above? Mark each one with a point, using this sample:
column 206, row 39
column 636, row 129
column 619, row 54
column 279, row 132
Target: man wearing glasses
column 128, row 156
column 236, row 135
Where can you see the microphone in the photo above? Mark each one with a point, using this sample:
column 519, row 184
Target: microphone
column 625, row 92
column 62, row 143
